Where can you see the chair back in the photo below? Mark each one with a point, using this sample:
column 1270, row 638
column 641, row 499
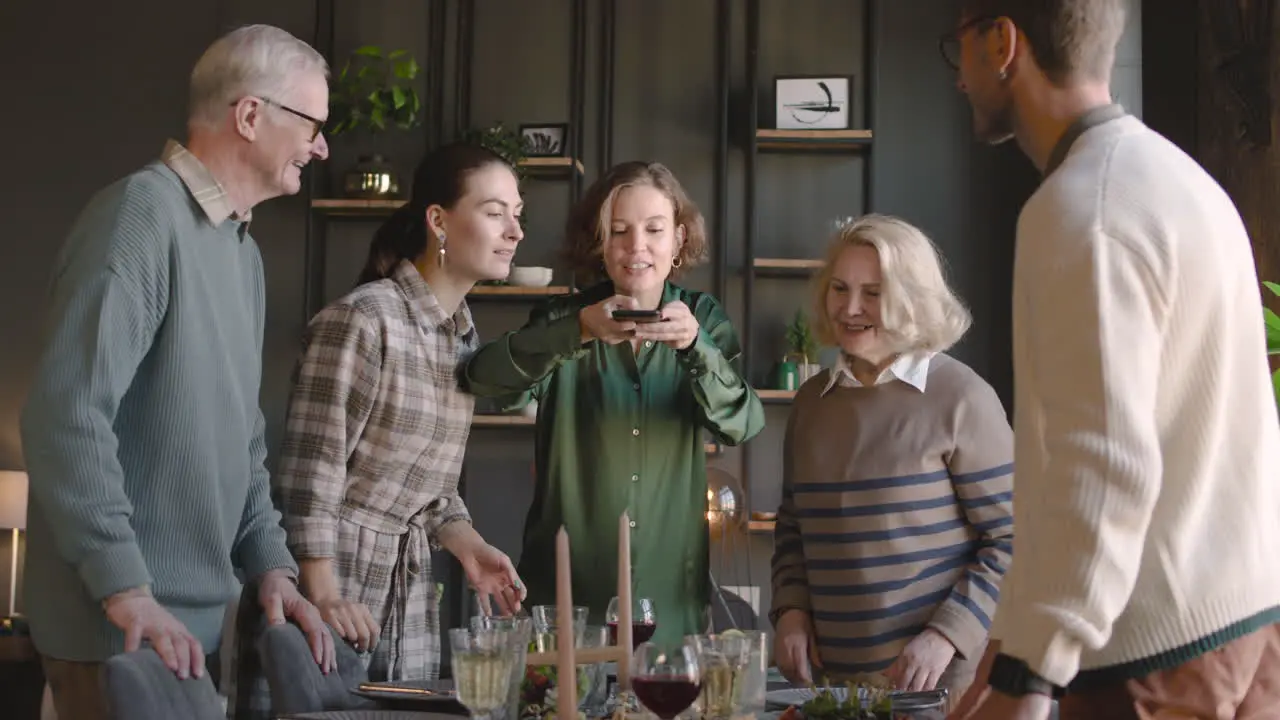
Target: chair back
column 296, row 683
column 140, row 687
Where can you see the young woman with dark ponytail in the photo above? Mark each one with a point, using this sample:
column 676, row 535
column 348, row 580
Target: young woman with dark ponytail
column 377, row 426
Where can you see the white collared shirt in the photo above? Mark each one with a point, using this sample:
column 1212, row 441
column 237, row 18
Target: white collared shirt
column 910, row 368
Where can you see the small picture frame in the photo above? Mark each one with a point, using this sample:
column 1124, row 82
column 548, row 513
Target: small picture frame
column 545, row 139
column 812, row 102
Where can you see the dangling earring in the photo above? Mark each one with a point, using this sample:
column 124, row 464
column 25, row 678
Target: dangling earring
column 676, row 262
column 1004, row 75
column 440, row 255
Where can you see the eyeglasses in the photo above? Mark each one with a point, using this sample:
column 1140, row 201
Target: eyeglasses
column 949, row 43
column 316, row 124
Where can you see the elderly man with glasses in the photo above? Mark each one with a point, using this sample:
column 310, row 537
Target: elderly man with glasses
column 142, row 432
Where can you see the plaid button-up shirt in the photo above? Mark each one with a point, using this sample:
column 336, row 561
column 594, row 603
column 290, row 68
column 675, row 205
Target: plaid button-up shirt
column 372, row 453
column 377, row 423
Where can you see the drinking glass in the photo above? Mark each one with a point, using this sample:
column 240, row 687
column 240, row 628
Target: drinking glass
column 482, row 662
column 666, row 678
column 546, row 622
column 734, row 666
column 519, row 629
column 594, row 692
column 644, row 621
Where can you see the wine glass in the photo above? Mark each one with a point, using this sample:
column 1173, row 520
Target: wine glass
column 482, row 660
column 666, row 678
column 644, row 621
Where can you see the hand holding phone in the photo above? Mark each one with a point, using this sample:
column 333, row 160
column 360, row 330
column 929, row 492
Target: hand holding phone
column 638, row 316
column 602, row 321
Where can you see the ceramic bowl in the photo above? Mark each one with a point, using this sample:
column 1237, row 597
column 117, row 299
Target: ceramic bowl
column 530, row 276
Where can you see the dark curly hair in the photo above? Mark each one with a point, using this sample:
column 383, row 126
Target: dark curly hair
column 589, row 220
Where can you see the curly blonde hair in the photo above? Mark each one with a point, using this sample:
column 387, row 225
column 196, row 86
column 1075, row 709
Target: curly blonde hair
column 588, row 224
column 918, row 309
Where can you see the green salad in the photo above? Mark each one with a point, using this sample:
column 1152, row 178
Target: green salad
column 824, row 705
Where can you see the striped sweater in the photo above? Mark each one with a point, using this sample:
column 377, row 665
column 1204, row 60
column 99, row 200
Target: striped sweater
column 896, row 514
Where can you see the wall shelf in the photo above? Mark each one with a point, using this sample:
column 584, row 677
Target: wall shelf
column 549, row 165
column 785, row 267
column 769, row 139
column 516, row 292
column 776, row 396
column 354, row 206
column 502, row 421
column 362, row 207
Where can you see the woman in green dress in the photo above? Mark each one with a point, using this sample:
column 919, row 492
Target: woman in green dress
column 623, row 406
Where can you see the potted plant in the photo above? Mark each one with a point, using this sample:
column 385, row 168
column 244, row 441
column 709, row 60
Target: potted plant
column 1272, row 322
column 803, row 347
column 506, row 142
column 374, row 92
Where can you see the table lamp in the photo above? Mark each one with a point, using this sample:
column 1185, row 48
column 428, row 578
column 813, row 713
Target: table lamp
column 13, row 516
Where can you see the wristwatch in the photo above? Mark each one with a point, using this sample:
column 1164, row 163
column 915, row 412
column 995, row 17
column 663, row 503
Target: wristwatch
column 1015, row 678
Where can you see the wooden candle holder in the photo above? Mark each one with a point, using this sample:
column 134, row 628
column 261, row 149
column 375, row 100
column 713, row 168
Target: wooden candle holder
column 568, row 656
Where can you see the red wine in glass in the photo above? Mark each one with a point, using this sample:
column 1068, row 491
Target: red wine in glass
column 640, row 632
column 666, row 695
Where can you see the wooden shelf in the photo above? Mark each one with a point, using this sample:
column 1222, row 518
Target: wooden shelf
column 761, row 526
column 785, row 267
column 502, row 421
column 551, row 164
column 769, row 139
column 356, row 207
column 776, row 396
column 516, row 291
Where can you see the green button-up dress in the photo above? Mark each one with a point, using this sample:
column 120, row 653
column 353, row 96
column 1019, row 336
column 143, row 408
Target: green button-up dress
column 622, row 431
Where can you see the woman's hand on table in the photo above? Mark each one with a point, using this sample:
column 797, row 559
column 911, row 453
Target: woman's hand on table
column 678, row 329
column 794, row 648
column 351, row 620
column 597, row 323
column 922, row 662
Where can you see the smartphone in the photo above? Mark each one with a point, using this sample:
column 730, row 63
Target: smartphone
column 638, row 316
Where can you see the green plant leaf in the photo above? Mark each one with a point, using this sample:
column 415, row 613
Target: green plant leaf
column 397, row 54
column 1273, row 287
column 397, row 97
column 1275, row 385
column 372, row 51
column 377, row 119
column 403, row 69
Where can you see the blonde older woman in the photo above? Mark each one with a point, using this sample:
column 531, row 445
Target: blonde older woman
column 896, row 522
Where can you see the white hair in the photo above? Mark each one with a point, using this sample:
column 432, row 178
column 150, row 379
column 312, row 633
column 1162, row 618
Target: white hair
column 251, row 60
column 918, row 310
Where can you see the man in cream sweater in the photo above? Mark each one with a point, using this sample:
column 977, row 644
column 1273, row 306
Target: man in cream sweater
column 1147, row 444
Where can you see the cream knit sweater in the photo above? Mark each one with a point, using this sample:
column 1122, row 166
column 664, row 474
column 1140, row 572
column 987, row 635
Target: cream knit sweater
column 1147, row 492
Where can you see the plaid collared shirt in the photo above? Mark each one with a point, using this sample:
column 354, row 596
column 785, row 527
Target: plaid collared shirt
column 203, row 186
column 371, row 457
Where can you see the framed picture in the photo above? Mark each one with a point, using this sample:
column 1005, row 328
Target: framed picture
column 546, row 140
column 812, row 102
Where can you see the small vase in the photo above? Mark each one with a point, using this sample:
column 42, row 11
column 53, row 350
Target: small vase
column 787, row 376
column 373, row 178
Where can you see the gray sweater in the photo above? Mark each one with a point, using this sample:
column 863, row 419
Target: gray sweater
column 142, row 433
